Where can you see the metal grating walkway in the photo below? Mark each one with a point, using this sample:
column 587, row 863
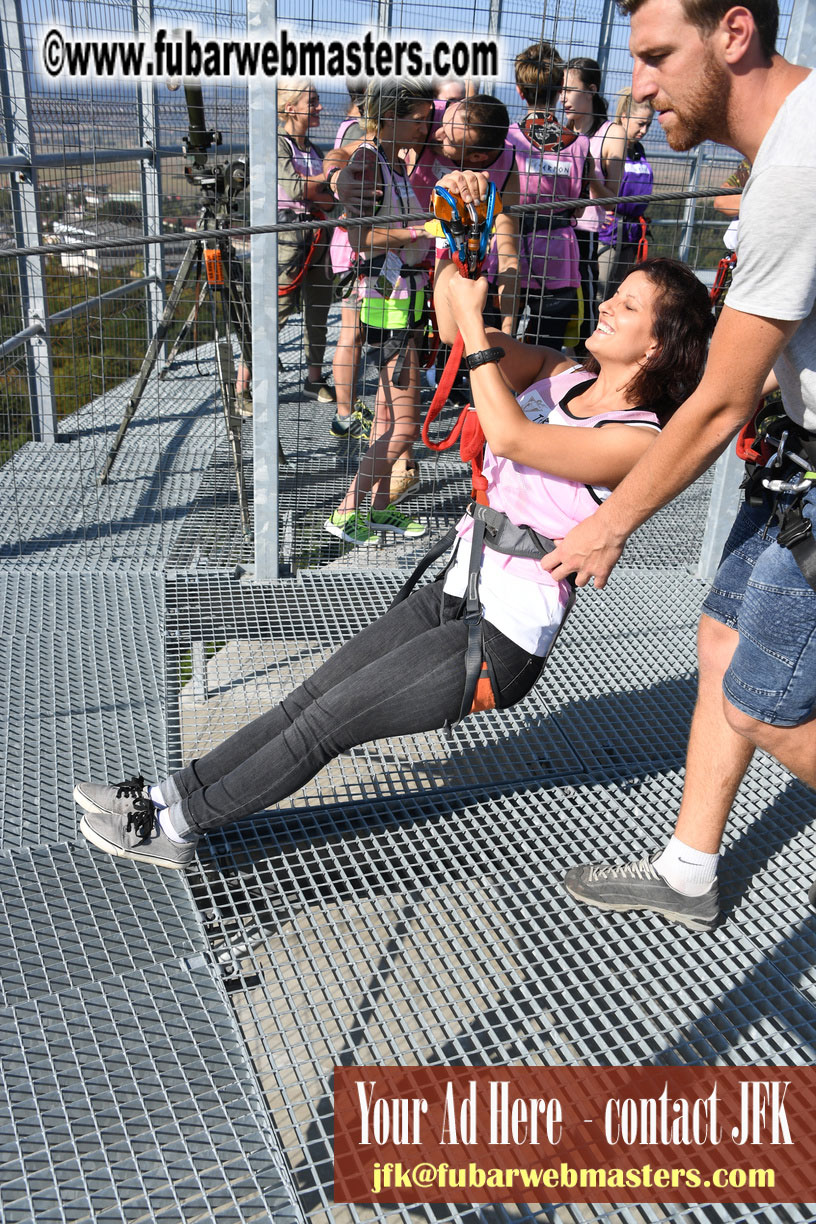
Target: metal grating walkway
column 169, row 1042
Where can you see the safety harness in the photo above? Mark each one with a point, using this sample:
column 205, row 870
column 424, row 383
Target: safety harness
column 467, row 231
column 779, row 458
column 316, row 238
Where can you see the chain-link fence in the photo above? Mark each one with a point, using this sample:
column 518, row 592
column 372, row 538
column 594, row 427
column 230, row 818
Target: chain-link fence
column 98, row 193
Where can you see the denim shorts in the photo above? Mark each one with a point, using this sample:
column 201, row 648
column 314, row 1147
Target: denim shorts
column 760, row 592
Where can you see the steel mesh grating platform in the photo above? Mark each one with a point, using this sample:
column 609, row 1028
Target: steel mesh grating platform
column 166, row 1037
column 122, row 1125
column 434, row 929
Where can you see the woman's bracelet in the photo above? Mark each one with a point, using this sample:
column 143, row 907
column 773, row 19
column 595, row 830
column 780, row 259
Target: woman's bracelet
column 413, row 231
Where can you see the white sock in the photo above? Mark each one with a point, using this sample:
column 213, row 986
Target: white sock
column 690, row 871
column 171, row 822
column 156, row 797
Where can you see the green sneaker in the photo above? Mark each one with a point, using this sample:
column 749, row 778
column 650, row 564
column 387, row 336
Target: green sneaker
column 363, row 418
column 345, row 426
column 351, row 526
column 392, row 520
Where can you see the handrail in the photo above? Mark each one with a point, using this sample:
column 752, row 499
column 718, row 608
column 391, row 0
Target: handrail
column 70, row 312
column 92, row 157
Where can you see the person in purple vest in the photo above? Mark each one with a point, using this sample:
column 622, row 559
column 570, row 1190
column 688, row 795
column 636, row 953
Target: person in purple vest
column 554, row 165
column 619, row 238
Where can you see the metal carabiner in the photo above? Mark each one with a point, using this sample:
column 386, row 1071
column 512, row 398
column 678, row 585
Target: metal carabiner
column 780, row 450
column 786, row 486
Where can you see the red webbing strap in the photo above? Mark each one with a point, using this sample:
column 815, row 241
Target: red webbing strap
column 643, row 242
column 471, row 450
column 318, row 233
column 746, row 447
column 723, row 268
column 746, row 442
column 443, row 390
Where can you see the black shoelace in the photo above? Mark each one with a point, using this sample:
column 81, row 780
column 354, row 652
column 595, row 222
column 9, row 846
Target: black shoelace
column 131, row 789
column 141, row 817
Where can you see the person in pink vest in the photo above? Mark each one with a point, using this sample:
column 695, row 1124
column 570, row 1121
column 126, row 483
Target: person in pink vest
column 473, row 136
column 554, row 165
column 586, row 112
column 559, row 437
column 350, row 417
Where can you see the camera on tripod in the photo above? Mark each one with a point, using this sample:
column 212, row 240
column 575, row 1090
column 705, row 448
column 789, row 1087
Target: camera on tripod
column 224, row 289
column 222, row 181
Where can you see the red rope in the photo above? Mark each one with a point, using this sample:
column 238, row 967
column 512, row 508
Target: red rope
column 318, row 234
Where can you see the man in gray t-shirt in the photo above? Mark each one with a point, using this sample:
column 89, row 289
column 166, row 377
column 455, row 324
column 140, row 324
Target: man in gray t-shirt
column 721, row 79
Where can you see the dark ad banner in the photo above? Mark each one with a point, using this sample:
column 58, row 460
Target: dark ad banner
column 575, row 1134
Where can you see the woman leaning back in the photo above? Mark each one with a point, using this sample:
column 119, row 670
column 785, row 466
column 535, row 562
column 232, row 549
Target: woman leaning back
column 559, row 438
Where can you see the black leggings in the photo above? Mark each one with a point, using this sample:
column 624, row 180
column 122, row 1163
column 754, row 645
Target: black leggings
column 404, row 673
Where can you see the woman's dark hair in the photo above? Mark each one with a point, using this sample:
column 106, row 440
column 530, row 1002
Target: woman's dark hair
column 683, row 322
column 393, row 96
column 589, row 70
column 488, row 121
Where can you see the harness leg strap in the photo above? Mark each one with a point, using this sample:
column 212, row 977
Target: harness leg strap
column 796, row 534
column 474, row 653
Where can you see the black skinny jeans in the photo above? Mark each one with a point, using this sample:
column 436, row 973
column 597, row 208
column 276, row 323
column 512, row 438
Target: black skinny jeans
column 404, row 673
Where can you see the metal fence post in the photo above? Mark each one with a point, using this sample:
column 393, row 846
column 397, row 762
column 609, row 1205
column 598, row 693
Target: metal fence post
column 150, row 179
column 605, row 35
column 15, row 99
column 801, row 40
column 263, row 205
column 690, row 207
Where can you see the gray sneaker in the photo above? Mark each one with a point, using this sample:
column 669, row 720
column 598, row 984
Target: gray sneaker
column 638, row 886
column 115, row 800
column 121, row 820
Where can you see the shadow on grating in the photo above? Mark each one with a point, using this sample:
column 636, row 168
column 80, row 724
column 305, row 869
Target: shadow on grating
column 82, row 668
column 256, row 644
column 434, row 929
column 131, row 1098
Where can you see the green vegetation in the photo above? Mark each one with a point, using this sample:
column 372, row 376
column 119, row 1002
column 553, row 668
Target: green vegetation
column 91, row 353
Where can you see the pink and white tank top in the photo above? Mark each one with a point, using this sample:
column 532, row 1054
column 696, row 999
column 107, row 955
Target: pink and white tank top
column 551, row 505
column 517, row 595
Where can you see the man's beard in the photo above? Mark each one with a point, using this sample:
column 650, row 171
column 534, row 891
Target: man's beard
column 704, row 113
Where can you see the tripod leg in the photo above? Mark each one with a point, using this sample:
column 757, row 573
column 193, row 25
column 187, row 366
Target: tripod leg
column 184, row 333
column 241, row 319
column 226, row 379
column 150, row 356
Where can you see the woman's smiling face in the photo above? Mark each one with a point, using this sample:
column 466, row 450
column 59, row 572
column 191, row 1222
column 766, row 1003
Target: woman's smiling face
column 625, row 321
